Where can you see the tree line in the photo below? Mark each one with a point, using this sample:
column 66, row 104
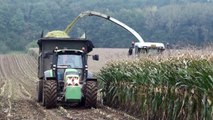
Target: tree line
column 174, row 21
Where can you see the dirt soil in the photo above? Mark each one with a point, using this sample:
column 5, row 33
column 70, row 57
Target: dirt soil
column 18, row 77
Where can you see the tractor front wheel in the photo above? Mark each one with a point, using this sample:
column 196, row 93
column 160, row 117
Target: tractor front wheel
column 91, row 94
column 50, row 94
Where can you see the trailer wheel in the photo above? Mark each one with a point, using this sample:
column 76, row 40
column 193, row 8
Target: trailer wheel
column 91, row 94
column 50, row 94
column 39, row 91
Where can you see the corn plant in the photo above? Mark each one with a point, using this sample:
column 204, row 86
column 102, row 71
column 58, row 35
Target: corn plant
column 173, row 88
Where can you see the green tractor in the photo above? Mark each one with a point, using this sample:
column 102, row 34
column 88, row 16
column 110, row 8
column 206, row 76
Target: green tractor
column 63, row 73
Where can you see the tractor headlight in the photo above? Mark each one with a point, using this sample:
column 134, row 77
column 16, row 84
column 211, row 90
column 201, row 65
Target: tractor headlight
column 69, row 82
column 76, row 81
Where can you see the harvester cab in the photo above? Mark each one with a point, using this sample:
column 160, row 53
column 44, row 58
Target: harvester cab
column 151, row 48
column 63, row 72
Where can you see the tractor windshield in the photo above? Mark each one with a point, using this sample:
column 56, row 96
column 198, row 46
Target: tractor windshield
column 72, row 60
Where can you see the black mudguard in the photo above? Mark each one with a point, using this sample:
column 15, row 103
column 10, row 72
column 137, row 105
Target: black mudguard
column 91, row 77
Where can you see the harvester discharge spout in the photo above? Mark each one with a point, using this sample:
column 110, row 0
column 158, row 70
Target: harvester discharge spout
column 101, row 15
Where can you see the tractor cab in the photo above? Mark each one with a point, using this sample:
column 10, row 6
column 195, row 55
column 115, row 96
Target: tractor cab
column 70, row 67
column 68, row 62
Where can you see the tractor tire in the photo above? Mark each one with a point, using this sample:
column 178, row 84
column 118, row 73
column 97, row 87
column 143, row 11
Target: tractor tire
column 50, row 94
column 39, row 91
column 90, row 94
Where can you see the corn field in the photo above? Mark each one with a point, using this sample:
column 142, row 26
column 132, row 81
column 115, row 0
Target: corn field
column 164, row 88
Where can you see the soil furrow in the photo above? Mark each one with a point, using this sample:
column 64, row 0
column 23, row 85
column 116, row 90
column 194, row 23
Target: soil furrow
column 9, row 97
column 5, row 100
column 13, row 91
column 25, row 68
column 3, row 88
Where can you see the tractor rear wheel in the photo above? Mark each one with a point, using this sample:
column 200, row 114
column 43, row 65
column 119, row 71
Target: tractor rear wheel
column 39, row 91
column 91, row 94
column 50, row 94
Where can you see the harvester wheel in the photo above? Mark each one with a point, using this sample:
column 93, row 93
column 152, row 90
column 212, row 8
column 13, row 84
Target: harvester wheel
column 91, row 94
column 39, row 91
column 50, row 94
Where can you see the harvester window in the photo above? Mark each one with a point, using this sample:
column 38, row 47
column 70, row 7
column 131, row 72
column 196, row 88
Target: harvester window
column 74, row 61
column 142, row 50
column 153, row 51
